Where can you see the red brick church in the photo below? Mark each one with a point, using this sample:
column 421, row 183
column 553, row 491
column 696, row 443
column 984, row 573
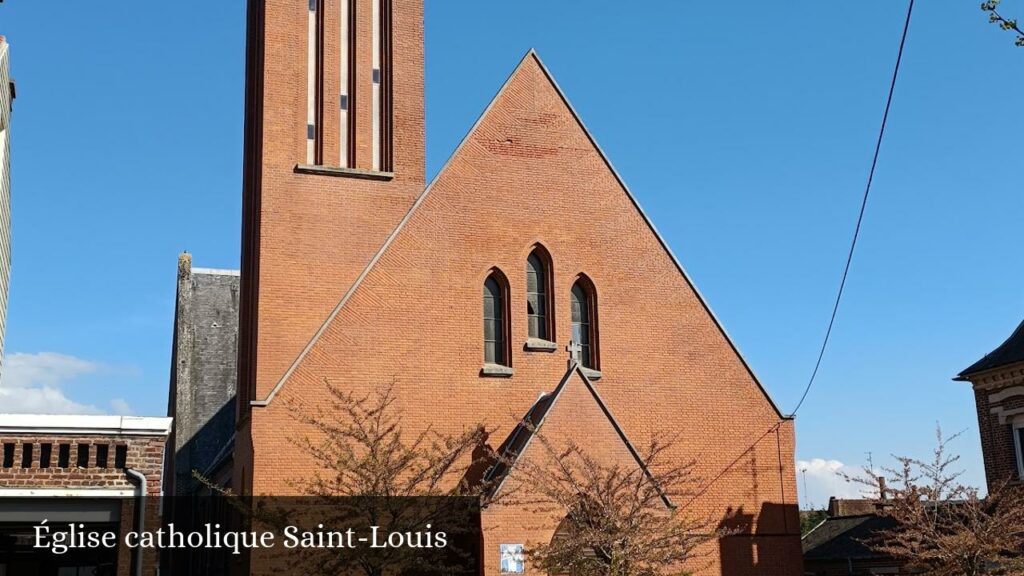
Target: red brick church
column 468, row 292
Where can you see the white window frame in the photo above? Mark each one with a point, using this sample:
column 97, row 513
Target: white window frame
column 1018, row 449
column 514, row 552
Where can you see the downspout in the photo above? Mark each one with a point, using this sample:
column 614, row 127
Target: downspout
column 140, row 509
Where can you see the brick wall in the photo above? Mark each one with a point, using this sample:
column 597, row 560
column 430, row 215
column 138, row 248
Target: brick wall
column 999, row 397
column 306, row 237
column 527, row 174
column 22, row 466
column 142, row 453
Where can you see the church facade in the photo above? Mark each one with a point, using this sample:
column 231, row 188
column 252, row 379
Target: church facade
column 525, row 275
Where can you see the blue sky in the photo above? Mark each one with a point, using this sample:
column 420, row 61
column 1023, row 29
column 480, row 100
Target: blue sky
column 745, row 130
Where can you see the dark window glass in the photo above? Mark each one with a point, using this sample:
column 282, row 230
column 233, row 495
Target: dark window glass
column 83, row 456
column 102, row 450
column 63, row 455
column 494, row 322
column 120, row 456
column 8, row 455
column 581, row 323
column 26, row 455
column 536, row 297
column 1020, row 449
column 44, row 455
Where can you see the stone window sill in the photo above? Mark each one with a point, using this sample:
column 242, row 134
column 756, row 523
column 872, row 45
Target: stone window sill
column 590, row 373
column 346, row 172
column 496, row 371
column 539, row 345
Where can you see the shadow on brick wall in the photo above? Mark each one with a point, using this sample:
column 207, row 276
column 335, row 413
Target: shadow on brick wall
column 762, row 544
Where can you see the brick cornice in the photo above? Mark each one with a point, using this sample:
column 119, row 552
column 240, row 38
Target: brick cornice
column 1001, row 377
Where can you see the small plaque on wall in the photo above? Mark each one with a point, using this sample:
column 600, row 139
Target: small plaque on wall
column 512, row 560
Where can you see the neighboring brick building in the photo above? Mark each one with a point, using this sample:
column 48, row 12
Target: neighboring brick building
column 838, row 545
column 998, row 381
column 90, row 469
column 466, row 294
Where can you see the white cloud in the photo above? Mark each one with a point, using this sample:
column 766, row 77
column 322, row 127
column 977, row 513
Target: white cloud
column 31, row 383
column 120, row 407
column 44, row 368
column 818, row 479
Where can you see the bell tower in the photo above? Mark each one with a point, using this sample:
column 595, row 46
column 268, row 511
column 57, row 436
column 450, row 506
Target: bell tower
column 350, row 79
column 333, row 159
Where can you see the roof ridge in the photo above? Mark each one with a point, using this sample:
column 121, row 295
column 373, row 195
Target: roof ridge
column 531, row 53
column 1013, row 347
column 574, row 369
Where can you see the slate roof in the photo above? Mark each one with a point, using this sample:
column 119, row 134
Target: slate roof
column 1009, row 352
column 841, row 537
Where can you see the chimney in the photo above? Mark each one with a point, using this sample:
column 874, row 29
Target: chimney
column 881, row 488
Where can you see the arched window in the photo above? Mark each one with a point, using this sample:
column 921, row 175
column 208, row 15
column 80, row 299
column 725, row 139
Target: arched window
column 584, row 322
column 495, row 320
column 539, row 313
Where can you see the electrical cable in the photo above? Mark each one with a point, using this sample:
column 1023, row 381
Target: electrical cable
column 860, row 217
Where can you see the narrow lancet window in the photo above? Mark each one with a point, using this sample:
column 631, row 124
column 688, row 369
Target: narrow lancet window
column 584, row 313
column 495, row 320
column 538, row 303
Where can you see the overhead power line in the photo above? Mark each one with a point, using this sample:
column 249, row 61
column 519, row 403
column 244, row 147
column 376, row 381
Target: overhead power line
column 860, row 216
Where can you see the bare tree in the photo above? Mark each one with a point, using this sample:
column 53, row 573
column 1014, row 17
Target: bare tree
column 619, row 520
column 943, row 527
column 369, row 474
column 1010, row 24
column 361, row 449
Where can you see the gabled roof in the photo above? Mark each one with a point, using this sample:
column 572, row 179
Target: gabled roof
column 519, row 440
column 842, row 537
column 1009, row 352
column 531, row 55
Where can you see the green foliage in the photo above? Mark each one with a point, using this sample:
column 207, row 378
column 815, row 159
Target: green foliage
column 809, row 519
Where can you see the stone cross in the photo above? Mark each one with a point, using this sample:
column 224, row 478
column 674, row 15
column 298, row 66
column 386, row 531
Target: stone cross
column 575, row 351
